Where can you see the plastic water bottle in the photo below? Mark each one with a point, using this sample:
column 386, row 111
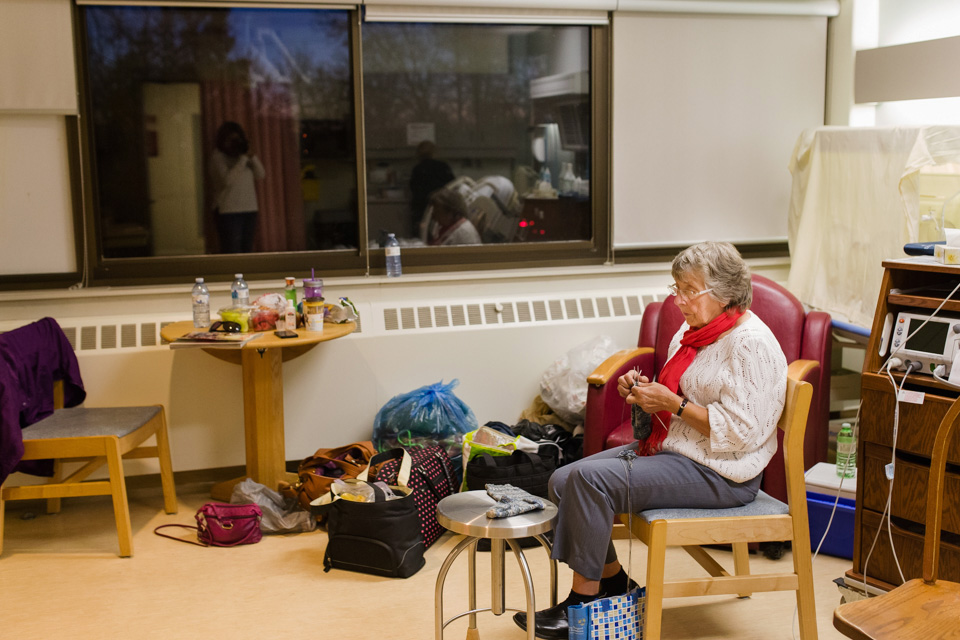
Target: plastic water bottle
column 392, row 249
column 201, row 305
column 239, row 291
column 545, row 176
column 290, row 290
column 846, row 452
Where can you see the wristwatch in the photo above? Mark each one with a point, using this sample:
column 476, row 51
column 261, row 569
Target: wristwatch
column 683, row 404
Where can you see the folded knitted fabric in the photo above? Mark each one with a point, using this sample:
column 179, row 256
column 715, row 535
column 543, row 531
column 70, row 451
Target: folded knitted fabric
column 511, row 501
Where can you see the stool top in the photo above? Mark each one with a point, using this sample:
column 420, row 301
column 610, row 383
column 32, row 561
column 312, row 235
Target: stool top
column 466, row 513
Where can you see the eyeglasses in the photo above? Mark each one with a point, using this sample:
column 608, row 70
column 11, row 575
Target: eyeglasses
column 225, row 326
column 686, row 294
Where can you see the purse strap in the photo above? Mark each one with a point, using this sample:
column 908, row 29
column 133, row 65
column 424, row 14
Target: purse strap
column 406, row 463
column 184, row 526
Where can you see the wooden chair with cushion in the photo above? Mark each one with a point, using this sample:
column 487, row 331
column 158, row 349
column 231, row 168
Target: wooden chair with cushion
column 801, row 334
column 922, row 609
column 92, row 436
column 762, row 520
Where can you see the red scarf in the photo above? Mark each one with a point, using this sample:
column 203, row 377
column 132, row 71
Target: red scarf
column 673, row 370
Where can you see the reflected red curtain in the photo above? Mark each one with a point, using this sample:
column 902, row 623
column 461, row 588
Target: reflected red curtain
column 266, row 113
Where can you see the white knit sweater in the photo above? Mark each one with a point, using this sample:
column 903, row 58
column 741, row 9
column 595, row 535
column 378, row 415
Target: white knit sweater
column 742, row 381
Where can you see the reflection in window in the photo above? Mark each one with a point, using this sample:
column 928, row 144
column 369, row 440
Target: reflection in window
column 221, row 130
column 499, row 116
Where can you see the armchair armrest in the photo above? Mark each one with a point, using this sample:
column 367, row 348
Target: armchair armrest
column 612, row 365
column 605, row 408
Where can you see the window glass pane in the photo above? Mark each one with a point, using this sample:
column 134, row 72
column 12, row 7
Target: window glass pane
column 221, row 130
column 477, row 133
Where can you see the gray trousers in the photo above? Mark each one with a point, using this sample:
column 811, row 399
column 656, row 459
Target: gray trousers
column 591, row 491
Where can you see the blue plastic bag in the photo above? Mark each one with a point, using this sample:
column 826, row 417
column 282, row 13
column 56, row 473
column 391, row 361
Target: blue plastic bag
column 430, row 415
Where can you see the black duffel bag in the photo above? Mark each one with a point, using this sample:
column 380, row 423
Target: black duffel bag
column 380, row 537
column 528, row 471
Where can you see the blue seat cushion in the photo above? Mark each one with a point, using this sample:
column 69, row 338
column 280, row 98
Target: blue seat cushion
column 79, row 422
column 762, row 505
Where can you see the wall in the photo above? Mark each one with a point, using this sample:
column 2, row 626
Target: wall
column 332, row 393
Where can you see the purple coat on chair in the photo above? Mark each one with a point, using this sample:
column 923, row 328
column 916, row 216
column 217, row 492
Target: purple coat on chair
column 32, row 358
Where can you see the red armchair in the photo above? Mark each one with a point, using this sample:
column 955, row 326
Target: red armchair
column 802, row 336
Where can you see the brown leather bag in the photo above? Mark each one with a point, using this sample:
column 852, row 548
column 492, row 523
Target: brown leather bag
column 318, row 472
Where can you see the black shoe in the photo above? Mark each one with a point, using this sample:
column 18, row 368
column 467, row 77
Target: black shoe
column 552, row 623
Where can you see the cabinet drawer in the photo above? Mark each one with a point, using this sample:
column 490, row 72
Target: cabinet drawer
column 918, row 422
column 909, row 546
column 909, row 500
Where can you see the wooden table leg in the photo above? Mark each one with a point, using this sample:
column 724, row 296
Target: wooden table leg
column 262, row 421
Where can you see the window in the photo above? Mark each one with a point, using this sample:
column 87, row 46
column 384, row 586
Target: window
column 221, row 130
column 477, row 134
column 221, row 139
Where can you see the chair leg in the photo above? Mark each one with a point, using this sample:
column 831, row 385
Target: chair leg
column 3, row 510
column 166, row 468
column 118, row 491
column 656, row 564
column 806, row 606
column 741, row 563
column 53, row 504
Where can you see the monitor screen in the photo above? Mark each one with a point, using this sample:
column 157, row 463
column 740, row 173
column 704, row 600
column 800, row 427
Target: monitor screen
column 931, row 338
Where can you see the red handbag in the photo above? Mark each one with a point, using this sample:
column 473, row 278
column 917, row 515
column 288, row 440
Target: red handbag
column 222, row 525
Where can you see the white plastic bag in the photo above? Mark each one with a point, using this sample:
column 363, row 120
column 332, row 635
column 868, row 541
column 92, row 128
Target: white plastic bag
column 563, row 386
column 279, row 515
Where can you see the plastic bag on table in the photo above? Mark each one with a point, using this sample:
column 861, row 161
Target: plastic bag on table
column 430, row 415
column 280, row 515
column 563, row 386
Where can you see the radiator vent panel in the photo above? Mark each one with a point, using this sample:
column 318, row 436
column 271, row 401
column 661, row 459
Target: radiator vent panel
column 88, row 338
column 540, row 311
column 424, row 317
column 498, row 313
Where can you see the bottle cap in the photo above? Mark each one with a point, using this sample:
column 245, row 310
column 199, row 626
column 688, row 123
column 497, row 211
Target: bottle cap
column 199, row 280
column 289, row 304
column 290, row 281
column 238, row 275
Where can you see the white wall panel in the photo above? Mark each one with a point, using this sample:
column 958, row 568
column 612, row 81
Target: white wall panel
column 36, row 219
column 36, row 57
column 706, row 111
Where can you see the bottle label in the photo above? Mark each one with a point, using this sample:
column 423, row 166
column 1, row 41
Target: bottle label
column 392, row 251
column 846, row 448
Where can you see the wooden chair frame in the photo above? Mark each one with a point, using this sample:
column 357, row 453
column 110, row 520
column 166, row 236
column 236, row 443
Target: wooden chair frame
column 95, row 451
column 691, row 533
column 925, row 608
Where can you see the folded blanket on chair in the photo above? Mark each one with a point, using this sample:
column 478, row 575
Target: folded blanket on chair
column 511, row 501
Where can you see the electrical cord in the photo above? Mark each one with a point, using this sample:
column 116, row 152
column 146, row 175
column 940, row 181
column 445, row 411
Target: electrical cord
column 885, row 516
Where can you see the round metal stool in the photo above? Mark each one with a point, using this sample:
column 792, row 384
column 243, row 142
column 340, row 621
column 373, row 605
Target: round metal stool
column 466, row 513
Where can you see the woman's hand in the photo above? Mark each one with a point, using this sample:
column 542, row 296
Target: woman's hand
column 626, row 381
column 653, row 397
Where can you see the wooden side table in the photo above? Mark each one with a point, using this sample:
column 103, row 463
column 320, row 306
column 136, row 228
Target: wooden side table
column 262, row 361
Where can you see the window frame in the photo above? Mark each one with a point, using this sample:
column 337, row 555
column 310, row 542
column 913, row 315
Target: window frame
column 363, row 260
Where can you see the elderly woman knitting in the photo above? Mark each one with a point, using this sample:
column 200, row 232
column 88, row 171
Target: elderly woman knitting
column 713, row 410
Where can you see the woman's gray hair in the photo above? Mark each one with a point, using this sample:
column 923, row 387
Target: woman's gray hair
column 722, row 269
column 451, row 200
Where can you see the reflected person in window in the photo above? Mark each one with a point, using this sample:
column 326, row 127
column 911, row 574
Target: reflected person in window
column 428, row 175
column 450, row 224
column 233, row 171
column 714, row 410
